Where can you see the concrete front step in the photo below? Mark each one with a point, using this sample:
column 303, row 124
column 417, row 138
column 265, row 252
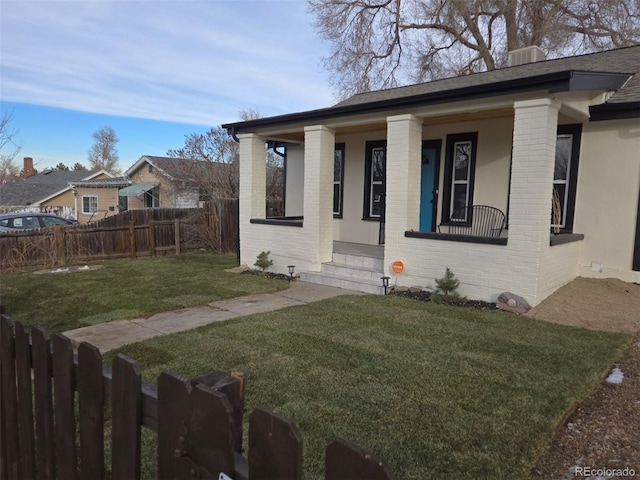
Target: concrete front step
column 344, row 281
column 358, row 261
column 332, row 268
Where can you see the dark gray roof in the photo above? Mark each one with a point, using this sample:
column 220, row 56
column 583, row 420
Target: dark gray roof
column 624, row 60
column 616, row 70
column 31, row 190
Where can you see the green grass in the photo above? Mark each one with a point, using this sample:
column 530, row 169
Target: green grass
column 438, row 392
column 125, row 289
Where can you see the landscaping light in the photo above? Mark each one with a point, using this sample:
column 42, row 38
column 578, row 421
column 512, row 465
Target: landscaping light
column 291, row 268
column 385, row 283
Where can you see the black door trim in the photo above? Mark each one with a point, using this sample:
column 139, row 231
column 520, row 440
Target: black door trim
column 636, row 249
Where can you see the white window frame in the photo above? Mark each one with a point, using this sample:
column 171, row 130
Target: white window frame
column 89, row 198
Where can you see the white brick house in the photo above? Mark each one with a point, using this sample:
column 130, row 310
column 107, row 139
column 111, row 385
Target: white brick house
column 377, row 178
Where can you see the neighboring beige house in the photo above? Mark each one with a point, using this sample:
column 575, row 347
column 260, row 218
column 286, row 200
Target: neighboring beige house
column 379, row 177
column 48, row 191
column 98, row 198
column 169, row 182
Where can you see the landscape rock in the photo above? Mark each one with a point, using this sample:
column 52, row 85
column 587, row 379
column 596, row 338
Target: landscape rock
column 512, row 303
column 242, row 268
column 400, row 289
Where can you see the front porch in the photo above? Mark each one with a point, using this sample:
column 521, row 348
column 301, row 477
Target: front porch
column 347, row 192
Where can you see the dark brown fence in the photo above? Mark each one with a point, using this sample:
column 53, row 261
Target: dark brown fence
column 46, row 390
column 131, row 234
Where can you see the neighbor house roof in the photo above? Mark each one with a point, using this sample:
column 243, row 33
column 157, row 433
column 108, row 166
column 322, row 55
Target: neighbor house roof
column 103, row 182
column 42, row 186
column 613, row 70
column 179, row 169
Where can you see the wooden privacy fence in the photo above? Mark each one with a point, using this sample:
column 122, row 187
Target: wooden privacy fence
column 131, row 234
column 46, row 390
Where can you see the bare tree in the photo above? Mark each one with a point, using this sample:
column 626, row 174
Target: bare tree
column 217, row 176
column 8, row 149
column 104, row 154
column 385, row 43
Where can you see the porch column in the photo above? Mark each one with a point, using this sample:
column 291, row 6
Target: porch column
column 533, row 160
column 404, row 147
column 319, row 147
column 253, row 177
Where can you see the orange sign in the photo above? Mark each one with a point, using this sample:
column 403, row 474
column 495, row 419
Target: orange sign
column 397, row 267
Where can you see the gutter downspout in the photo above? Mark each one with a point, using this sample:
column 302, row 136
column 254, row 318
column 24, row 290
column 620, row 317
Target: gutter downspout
column 231, row 131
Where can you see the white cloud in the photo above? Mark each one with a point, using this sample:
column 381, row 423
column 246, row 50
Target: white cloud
column 188, row 61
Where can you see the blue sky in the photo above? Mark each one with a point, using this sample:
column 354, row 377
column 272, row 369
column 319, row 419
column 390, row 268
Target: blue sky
column 153, row 70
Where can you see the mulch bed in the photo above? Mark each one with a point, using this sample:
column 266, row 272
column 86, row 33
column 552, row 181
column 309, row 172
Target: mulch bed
column 425, row 296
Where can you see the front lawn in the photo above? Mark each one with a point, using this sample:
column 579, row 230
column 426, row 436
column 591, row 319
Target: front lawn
column 125, row 289
column 439, row 392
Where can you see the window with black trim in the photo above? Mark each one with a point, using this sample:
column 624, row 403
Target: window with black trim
column 338, row 179
column 459, row 176
column 565, row 176
column 375, row 179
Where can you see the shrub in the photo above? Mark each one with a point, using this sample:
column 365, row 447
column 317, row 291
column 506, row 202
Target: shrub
column 263, row 261
column 447, row 289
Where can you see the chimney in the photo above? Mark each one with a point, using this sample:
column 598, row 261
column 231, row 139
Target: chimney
column 525, row 55
column 27, row 170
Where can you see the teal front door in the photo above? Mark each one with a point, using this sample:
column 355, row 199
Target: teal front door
column 429, row 184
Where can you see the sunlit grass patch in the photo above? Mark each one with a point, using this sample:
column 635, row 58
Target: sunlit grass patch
column 439, row 392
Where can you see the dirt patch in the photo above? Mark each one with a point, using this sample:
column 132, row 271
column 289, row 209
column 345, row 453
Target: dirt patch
column 603, row 434
column 598, row 304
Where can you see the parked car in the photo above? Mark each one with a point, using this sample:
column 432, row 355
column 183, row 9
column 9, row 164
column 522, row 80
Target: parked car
column 11, row 222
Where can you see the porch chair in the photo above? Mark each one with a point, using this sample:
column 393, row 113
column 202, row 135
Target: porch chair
column 476, row 221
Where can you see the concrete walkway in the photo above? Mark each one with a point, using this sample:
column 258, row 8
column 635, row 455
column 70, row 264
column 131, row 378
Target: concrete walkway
column 107, row 336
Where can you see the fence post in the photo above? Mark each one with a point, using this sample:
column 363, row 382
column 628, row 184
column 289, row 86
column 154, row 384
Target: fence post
column 152, row 238
column 90, row 399
column 275, row 447
column 132, row 240
column 177, row 235
column 209, row 435
column 173, row 414
column 64, row 413
column 45, row 444
column 61, row 250
column 344, row 460
column 9, row 404
column 126, row 413
column 25, row 402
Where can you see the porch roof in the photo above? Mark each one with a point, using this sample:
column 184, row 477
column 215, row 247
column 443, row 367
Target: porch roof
column 615, row 70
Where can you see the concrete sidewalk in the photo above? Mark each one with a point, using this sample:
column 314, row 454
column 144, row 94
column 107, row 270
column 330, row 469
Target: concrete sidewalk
column 107, row 336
